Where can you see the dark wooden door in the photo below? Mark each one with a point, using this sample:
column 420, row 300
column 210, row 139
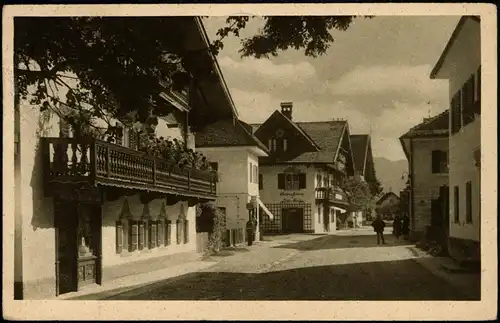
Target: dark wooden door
column 293, row 220
column 436, row 213
column 66, row 223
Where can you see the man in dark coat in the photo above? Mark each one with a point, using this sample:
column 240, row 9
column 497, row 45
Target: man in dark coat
column 405, row 227
column 378, row 226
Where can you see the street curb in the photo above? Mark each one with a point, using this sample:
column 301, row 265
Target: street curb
column 437, row 271
column 123, row 285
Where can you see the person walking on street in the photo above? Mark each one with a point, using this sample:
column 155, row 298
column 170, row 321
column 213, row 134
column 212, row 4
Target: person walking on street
column 405, row 227
column 396, row 226
column 378, row 226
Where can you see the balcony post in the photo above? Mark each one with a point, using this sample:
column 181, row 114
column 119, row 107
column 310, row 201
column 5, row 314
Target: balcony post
column 93, row 161
column 189, row 180
column 108, row 166
column 154, row 171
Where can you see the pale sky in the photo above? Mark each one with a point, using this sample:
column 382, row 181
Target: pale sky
column 376, row 72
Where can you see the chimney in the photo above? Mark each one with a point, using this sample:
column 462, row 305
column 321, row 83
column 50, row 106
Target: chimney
column 286, row 109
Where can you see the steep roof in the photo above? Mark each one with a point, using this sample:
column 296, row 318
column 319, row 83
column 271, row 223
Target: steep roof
column 359, row 146
column 325, row 135
column 386, row 196
column 437, row 125
column 227, row 132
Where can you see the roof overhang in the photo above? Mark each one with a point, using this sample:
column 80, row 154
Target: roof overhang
column 214, row 89
column 439, row 64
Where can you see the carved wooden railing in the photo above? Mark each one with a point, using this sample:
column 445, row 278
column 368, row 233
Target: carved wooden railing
column 330, row 194
column 100, row 162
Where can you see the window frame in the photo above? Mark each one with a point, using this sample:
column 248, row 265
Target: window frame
column 456, row 204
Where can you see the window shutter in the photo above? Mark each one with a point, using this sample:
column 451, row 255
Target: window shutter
column 281, row 181
column 435, row 161
column 178, row 228
column 168, row 234
column 302, row 181
column 161, row 232
column 141, row 235
column 186, row 231
column 119, row 237
column 261, row 183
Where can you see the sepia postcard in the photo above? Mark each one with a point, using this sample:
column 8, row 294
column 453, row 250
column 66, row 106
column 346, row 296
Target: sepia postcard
column 250, row 161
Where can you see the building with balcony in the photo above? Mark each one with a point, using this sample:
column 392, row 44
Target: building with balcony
column 88, row 211
column 234, row 152
column 426, row 148
column 299, row 180
column 460, row 64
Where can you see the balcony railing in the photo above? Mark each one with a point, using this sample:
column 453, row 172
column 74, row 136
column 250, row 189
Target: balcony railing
column 331, row 195
column 99, row 162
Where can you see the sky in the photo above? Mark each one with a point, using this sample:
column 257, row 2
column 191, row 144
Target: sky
column 375, row 75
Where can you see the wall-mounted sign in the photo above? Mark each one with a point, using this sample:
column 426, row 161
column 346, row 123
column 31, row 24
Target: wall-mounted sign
column 291, row 194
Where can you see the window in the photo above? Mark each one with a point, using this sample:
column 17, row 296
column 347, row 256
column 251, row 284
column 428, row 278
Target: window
column 133, row 236
column 270, row 144
column 291, row 181
column 439, row 162
column 468, row 202
column 285, row 144
column 261, row 182
column 255, row 172
column 318, row 180
column 456, row 202
column 319, row 214
column 274, row 145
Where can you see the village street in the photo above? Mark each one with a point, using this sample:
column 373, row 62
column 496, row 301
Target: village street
column 346, row 266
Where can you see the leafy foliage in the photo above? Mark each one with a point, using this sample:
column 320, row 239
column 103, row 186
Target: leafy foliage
column 358, row 194
column 117, row 67
column 216, row 238
column 280, row 33
column 375, row 187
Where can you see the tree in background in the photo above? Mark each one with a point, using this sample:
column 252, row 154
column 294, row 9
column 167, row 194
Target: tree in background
column 358, row 196
column 117, row 66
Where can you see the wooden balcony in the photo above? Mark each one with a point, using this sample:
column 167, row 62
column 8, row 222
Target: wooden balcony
column 330, row 195
column 95, row 162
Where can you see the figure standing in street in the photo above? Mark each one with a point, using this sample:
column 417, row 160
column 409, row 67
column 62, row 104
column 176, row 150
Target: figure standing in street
column 405, row 226
column 396, row 226
column 378, row 226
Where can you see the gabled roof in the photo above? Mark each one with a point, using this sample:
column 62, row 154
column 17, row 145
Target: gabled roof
column 435, row 126
column 450, row 43
column 328, row 137
column 282, row 118
column 359, row 146
column 386, row 196
column 227, row 132
column 325, row 135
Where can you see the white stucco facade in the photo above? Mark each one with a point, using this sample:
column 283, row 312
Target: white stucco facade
column 460, row 62
column 35, row 231
column 238, row 169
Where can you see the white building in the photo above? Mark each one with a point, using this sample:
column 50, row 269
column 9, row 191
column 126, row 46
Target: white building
column 460, row 63
column 234, row 152
column 299, row 181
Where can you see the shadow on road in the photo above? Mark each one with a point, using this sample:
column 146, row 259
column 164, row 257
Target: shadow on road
column 342, row 242
column 388, row 280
